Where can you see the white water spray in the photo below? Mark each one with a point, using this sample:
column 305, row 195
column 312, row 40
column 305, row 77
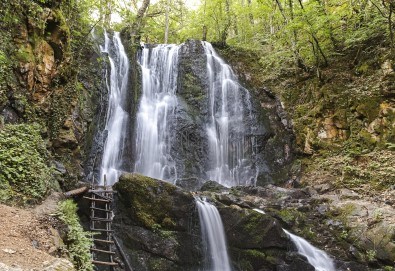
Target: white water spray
column 213, row 235
column 229, row 104
column 117, row 117
column 157, row 105
column 316, row 257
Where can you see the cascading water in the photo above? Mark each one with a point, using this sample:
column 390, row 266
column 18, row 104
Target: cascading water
column 213, row 235
column 117, row 117
column 229, row 106
column 154, row 118
column 316, row 257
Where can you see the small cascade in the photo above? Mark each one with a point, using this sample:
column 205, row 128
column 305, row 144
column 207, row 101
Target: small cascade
column 156, row 111
column 229, row 108
column 216, row 254
column 316, row 257
column 117, row 117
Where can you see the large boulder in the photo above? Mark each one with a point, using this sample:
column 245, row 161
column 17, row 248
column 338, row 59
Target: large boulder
column 157, row 223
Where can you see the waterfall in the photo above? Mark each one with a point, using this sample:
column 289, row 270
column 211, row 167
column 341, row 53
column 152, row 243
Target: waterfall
column 156, row 111
column 316, row 257
column 213, row 235
column 117, row 117
column 229, row 106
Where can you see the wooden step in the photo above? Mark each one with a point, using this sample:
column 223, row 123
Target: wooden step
column 100, row 200
column 100, row 209
column 101, row 219
column 103, row 241
column 103, row 251
column 101, row 191
column 102, row 196
column 103, row 230
column 105, row 263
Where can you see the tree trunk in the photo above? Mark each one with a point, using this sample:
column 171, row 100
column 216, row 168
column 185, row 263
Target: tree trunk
column 251, row 17
column 298, row 59
column 224, row 34
column 136, row 26
column 167, row 21
column 391, row 8
column 204, row 38
column 315, row 37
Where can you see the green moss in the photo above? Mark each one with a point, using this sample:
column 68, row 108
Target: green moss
column 60, row 106
column 254, row 259
column 78, row 242
column 25, row 54
column 158, row 264
column 369, row 108
column 60, row 18
column 23, row 163
column 363, row 68
column 291, row 216
column 149, row 199
column 253, row 220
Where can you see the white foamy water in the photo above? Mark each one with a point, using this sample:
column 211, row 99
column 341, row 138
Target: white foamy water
column 157, row 105
column 229, row 105
column 316, row 257
column 214, row 239
column 117, row 118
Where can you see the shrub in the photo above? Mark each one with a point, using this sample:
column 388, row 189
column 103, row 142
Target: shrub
column 24, row 174
column 78, row 242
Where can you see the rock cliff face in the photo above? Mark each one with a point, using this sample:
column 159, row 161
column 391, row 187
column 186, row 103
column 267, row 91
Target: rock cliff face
column 273, row 138
column 44, row 80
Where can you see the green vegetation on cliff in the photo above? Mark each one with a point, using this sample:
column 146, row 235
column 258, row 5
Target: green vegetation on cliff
column 78, row 242
column 24, row 171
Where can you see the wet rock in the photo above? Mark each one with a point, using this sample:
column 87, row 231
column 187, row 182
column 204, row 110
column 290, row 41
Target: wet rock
column 247, row 229
column 10, row 115
column 296, row 264
column 212, row 186
column 190, row 148
column 190, row 184
column 322, row 209
column 59, row 167
column 350, row 266
column 157, row 223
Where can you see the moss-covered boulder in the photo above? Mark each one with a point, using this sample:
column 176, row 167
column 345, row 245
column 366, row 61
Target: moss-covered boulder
column 157, row 223
column 256, row 241
column 155, row 203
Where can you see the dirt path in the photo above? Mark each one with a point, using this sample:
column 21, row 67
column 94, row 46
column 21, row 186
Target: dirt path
column 27, row 239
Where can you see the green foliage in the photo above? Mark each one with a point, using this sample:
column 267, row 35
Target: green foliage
column 78, row 241
column 24, row 174
column 371, row 255
column 4, row 71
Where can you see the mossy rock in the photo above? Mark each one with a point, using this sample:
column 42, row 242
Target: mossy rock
column 154, row 204
column 248, row 229
column 251, row 259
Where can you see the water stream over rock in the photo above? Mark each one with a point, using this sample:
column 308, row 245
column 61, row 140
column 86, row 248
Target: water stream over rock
column 156, row 112
column 229, row 105
column 117, row 117
column 316, row 257
column 213, row 235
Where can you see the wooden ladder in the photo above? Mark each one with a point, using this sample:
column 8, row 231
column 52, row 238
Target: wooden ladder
column 101, row 215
